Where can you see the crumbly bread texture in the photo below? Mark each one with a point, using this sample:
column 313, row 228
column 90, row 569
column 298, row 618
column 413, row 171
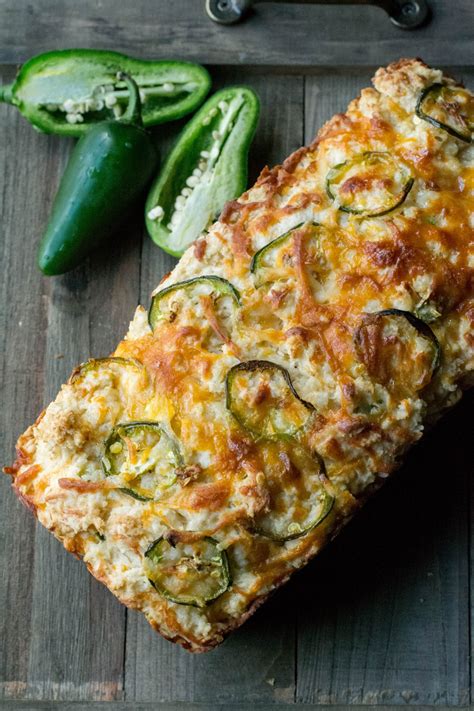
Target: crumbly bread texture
column 312, row 304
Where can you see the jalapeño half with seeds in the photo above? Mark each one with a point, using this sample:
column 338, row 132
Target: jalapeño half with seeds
column 68, row 91
column 206, row 168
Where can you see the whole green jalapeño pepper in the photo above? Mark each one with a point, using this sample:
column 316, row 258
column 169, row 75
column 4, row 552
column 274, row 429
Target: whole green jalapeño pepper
column 108, row 169
column 206, row 168
column 68, row 91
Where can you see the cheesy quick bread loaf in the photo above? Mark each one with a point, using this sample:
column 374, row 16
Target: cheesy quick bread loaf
column 293, row 355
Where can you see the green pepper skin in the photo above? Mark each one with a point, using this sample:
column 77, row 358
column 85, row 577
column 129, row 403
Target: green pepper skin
column 413, row 321
column 264, row 522
column 128, row 428
column 224, row 179
column 436, row 89
column 96, row 363
column 361, row 159
column 220, row 285
column 156, row 553
column 50, row 79
column 108, row 170
column 259, row 256
column 252, row 366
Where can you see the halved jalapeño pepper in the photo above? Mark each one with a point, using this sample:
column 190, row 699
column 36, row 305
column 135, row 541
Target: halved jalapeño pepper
column 195, row 573
column 206, row 168
column 450, row 108
column 261, row 397
column 299, row 499
column 67, row 91
column 106, row 173
column 370, row 184
column 398, row 349
column 194, row 297
column 144, row 456
column 273, row 261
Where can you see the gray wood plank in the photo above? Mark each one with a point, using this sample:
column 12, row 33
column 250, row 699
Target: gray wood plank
column 23, row 326
column 329, row 93
column 264, row 648
column 65, row 632
column 383, row 616
column 129, row 706
column 86, row 310
column 384, row 612
column 275, row 35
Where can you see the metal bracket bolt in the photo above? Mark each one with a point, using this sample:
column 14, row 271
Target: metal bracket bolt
column 405, row 14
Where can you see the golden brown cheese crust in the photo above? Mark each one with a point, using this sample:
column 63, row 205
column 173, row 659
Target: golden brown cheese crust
column 311, row 306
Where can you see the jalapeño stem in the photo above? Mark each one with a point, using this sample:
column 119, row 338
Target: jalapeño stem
column 6, row 93
column 133, row 112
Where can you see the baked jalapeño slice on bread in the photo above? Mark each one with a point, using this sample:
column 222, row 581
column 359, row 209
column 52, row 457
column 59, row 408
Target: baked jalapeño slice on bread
column 299, row 497
column 450, row 108
column 187, row 572
column 398, row 349
column 144, row 456
column 261, row 397
column 371, row 184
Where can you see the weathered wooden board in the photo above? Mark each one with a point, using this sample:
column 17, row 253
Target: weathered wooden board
column 383, row 616
column 151, row 706
column 50, row 324
column 384, row 612
column 289, row 34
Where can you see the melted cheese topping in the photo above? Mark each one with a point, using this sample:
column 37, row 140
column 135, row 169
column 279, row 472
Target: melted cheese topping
column 301, row 310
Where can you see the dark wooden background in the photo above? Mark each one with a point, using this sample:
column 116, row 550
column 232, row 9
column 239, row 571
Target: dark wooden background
column 383, row 616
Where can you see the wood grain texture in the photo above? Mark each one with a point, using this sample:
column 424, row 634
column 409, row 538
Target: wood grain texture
column 23, row 324
column 330, row 93
column 152, row 706
column 380, row 617
column 62, row 619
column 277, row 35
column 384, row 613
column 265, row 647
column 85, row 310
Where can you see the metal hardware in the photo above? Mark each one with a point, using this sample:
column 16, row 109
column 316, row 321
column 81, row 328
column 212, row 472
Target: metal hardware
column 406, row 14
